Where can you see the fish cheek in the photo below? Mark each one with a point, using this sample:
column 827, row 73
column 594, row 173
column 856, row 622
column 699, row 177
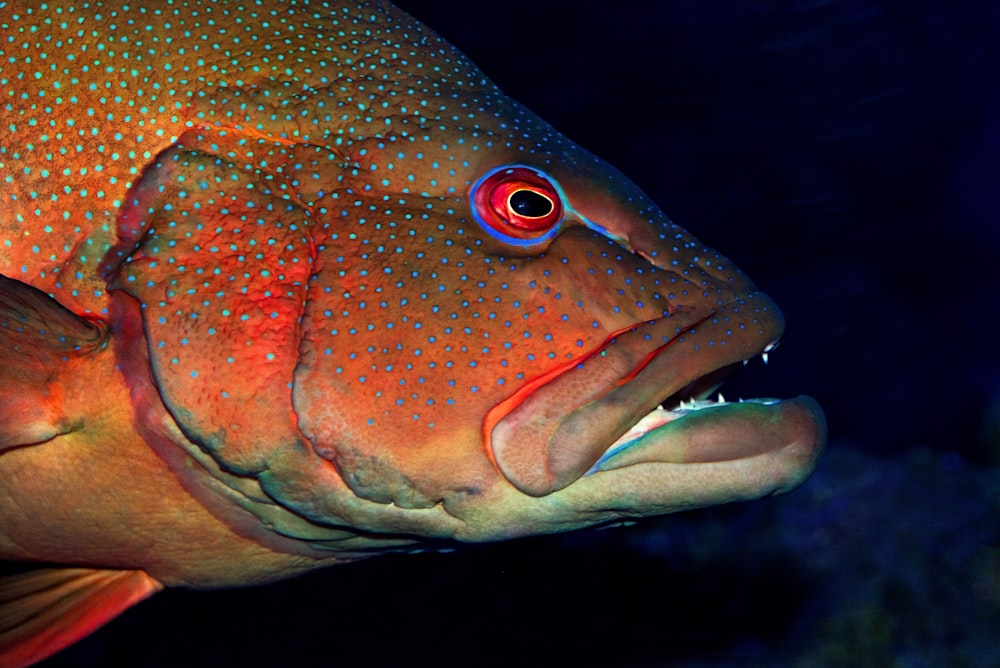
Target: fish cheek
column 392, row 384
column 414, row 329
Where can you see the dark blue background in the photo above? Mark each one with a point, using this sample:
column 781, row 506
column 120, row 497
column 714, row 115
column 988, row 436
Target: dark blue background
column 846, row 154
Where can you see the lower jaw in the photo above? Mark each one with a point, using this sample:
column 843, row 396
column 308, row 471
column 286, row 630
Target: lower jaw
column 710, row 431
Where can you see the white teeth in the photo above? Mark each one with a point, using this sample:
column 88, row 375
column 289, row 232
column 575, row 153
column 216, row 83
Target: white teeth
column 745, row 362
column 764, row 357
column 658, row 417
column 654, row 419
column 697, row 404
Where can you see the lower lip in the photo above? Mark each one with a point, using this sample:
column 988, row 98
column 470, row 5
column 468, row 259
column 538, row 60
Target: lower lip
column 718, row 432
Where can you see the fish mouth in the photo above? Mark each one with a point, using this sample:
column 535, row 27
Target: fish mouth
column 639, row 398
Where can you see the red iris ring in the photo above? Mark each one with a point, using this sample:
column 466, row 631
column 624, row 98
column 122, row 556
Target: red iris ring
column 492, row 202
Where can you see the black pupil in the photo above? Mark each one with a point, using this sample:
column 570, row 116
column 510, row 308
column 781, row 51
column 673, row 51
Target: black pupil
column 530, row 204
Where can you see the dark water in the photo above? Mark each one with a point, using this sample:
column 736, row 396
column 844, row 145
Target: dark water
column 846, row 154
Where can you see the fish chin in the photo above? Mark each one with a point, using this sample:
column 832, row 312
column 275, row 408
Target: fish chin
column 675, row 461
column 669, row 461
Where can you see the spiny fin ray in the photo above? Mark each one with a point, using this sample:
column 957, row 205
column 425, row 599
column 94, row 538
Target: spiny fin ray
column 44, row 610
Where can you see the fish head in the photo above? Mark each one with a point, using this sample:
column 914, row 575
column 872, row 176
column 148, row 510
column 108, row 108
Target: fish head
column 448, row 321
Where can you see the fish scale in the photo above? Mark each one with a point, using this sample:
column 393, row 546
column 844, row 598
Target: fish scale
column 340, row 296
column 215, row 79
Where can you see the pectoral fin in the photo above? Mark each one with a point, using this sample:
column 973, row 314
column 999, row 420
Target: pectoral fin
column 44, row 610
column 40, row 342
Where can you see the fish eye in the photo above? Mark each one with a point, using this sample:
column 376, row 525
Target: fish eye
column 517, row 205
column 530, row 203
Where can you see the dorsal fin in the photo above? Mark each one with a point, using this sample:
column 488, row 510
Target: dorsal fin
column 44, row 610
column 40, row 340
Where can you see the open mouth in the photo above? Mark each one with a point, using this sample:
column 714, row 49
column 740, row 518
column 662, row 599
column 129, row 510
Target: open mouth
column 695, row 397
column 640, row 397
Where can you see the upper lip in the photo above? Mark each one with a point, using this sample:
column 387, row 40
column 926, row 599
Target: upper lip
column 549, row 433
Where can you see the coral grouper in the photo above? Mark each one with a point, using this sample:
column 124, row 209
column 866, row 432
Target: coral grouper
column 286, row 284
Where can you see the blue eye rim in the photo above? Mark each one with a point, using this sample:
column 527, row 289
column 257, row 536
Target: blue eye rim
column 508, row 239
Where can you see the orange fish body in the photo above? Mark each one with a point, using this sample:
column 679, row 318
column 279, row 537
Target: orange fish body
column 285, row 284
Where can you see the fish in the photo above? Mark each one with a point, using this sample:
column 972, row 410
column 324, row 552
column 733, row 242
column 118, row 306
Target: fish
column 291, row 284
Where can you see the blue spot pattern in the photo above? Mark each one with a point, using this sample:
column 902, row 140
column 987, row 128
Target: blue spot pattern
column 284, row 187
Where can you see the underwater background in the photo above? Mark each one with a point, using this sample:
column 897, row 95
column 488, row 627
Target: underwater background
column 846, row 155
